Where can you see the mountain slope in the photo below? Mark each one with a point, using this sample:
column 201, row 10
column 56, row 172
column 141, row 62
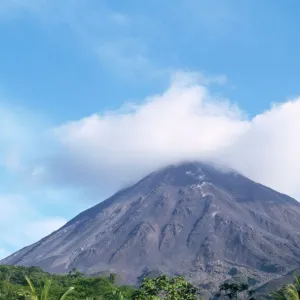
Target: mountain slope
column 192, row 219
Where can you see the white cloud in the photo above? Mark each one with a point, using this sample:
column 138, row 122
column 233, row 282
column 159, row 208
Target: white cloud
column 107, row 151
column 185, row 122
column 269, row 150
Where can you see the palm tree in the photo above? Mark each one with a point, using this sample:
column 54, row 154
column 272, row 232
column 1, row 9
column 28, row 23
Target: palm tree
column 289, row 291
column 118, row 295
column 45, row 291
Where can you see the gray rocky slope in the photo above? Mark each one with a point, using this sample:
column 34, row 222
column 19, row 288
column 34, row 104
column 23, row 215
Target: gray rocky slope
column 192, row 219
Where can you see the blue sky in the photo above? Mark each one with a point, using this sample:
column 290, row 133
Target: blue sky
column 86, row 86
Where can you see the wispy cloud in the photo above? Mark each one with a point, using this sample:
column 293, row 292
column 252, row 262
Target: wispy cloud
column 16, row 136
column 22, row 142
column 127, row 42
column 105, row 32
column 4, row 253
column 127, row 58
column 120, row 18
column 22, row 223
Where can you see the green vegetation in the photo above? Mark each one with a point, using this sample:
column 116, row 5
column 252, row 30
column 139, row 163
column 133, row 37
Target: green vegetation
column 234, row 291
column 164, row 287
column 45, row 291
column 20, row 283
column 289, row 291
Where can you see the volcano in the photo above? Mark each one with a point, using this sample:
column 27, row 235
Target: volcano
column 194, row 219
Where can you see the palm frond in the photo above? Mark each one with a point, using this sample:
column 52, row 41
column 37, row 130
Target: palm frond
column 297, row 281
column 33, row 291
column 67, row 293
column 45, row 291
column 278, row 295
column 291, row 292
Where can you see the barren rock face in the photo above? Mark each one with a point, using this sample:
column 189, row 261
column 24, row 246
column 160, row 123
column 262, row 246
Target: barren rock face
column 193, row 219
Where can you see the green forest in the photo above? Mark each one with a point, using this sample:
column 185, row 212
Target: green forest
column 21, row 283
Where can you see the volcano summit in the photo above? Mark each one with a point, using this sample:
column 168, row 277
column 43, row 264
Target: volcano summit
column 195, row 219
